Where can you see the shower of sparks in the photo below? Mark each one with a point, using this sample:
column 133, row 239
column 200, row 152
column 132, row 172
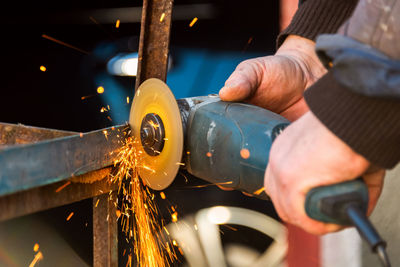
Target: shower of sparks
column 43, row 68
column 64, row 44
column 193, row 22
column 139, row 215
column 70, row 216
column 117, row 23
column 100, row 89
column 63, row 186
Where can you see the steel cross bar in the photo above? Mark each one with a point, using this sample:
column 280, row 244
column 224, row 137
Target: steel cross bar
column 154, row 40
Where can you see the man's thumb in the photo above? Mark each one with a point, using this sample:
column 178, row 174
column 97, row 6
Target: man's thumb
column 235, row 89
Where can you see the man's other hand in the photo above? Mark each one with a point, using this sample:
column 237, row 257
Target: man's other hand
column 307, row 155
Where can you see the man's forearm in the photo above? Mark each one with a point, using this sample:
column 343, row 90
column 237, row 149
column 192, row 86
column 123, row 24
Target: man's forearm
column 315, row 17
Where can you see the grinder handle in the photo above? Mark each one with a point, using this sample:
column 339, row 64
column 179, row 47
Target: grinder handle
column 328, row 203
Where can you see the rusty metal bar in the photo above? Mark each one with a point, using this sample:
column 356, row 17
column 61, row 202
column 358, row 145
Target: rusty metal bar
column 154, row 40
column 105, row 231
column 47, row 197
column 32, row 165
column 11, row 134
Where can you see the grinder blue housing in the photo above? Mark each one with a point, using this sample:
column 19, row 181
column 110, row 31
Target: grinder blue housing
column 216, row 134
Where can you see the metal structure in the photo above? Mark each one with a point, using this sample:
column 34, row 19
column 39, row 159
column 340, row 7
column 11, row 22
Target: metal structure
column 29, row 155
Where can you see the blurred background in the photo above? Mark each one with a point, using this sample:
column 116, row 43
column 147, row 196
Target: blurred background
column 57, row 54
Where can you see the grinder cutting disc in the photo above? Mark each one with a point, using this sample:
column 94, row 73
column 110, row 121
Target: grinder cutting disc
column 154, row 116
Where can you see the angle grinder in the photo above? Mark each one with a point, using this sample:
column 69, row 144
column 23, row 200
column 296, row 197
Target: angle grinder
column 228, row 143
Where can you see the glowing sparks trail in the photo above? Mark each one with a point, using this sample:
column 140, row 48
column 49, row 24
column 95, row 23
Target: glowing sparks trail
column 194, row 20
column 63, row 186
column 70, row 216
column 259, row 191
column 63, row 43
column 162, row 17
column 117, row 23
column 139, row 214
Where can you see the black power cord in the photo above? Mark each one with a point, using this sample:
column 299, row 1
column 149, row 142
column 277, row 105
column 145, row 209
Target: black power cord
column 367, row 232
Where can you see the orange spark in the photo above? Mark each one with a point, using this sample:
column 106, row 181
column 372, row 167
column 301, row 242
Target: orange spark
column 103, row 109
column 127, row 99
column 36, row 247
column 70, row 215
column 259, row 191
column 166, row 230
column 64, row 44
column 80, row 135
column 85, row 97
column 208, row 154
column 162, row 17
column 105, row 134
column 63, row 186
column 118, row 212
column 100, row 89
column 97, row 203
column 38, row 257
column 174, row 243
column 193, row 21
column 162, row 194
column 43, row 68
column 245, row 153
column 117, row 23
column 155, row 125
column 174, row 216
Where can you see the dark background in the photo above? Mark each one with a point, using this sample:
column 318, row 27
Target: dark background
column 52, row 99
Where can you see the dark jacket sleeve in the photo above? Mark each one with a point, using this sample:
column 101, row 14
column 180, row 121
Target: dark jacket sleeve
column 315, row 17
column 359, row 98
column 369, row 125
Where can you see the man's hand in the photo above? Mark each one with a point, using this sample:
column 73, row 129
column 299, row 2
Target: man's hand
column 307, row 155
column 277, row 82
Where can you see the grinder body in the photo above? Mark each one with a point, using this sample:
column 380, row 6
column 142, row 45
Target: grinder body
column 228, row 143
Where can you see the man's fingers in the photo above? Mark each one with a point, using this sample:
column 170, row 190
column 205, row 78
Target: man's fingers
column 374, row 182
column 243, row 82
